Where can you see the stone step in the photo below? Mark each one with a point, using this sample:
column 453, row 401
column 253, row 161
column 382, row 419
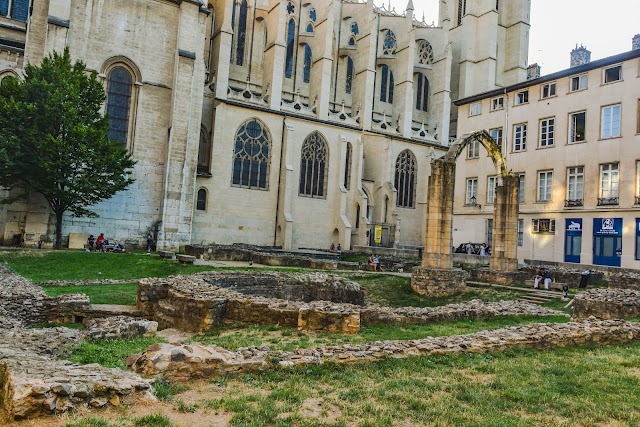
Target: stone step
column 109, row 310
column 552, row 294
column 532, row 301
column 533, row 297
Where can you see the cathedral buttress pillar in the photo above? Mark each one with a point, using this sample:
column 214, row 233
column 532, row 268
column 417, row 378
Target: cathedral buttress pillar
column 274, row 53
column 222, row 42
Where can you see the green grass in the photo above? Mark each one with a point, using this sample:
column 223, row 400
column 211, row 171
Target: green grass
column 109, row 353
column 153, row 420
column 45, row 265
column 165, row 390
column 395, row 291
column 586, row 387
column 282, row 338
column 121, row 294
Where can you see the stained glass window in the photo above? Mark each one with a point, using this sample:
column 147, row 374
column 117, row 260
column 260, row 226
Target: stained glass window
column 251, row 156
column 312, row 15
column 349, row 80
column 291, row 33
column 352, row 41
column 201, row 202
column 290, row 8
column 119, row 88
column 309, row 28
column 422, row 92
column 242, row 33
column 424, row 52
column 354, row 29
column 389, row 44
column 405, row 179
column 19, row 10
column 306, row 69
column 313, row 166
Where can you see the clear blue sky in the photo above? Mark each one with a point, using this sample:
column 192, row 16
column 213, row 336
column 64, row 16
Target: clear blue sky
column 605, row 28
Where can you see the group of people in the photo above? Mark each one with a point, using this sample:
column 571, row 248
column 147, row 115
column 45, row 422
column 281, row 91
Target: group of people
column 374, row 262
column 542, row 274
column 335, row 249
column 101, row 244
column 470, row 249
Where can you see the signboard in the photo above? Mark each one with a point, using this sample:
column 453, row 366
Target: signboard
column 607, row 226
column 574, row 225
column 378, row 234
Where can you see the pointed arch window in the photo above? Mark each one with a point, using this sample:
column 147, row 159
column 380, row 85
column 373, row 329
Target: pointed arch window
column 251, row 156
column 349, row 80
column 424, row 53
column 422, row 93
column 242, row 33
column 119, row 90
column 201, row 201
column 352, row 41
column 357, row 215
column 291, row 34
column 306, row 68
column 309, row 28
column 204, row 153
column 405, row 179
column 390, row 44
column 386, row 85
column 313, row 166
column 347, row 167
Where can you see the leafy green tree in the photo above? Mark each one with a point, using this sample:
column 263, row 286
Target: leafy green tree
column 54, row 139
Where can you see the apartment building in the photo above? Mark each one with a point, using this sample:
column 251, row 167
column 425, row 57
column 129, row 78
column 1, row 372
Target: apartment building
column 574, row 139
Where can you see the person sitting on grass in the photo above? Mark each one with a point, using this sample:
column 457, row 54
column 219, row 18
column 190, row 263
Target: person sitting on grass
column 100, row 242
column 376, row 260
column 373, row 262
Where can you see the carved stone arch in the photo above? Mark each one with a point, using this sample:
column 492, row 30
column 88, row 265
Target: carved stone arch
column 121, row 60
column 486, row 141
column 10, row 72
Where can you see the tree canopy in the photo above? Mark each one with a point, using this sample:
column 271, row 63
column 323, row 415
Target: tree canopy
column 54, row 139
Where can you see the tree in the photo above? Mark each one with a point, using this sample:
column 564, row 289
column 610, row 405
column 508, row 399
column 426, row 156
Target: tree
column 54, row 139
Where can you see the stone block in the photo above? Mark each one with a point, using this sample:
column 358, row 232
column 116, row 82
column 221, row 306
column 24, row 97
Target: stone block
column 166, row 254
column 328, row 319
column 437, row 282
column 78, row 240
column 186, row 259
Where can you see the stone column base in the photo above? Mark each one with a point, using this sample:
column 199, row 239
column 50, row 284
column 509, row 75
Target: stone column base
column 437, row 282
column 499, row 264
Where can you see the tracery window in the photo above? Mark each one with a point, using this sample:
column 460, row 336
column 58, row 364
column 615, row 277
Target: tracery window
column 309, row 28
column 313, row 166
column 201, row 201
column 352, row 41
column 390, row 44
column 354, row 29
column 313, row 15
column 291, row 34
column 405, row 179
column 242, row 33
column 349, row 79
column 306, row 69
column 251, row 156
column 291, row 8
column 422, row 93
column 204, row 152
column 119, row 88
column 386, row 85
column 424, row 53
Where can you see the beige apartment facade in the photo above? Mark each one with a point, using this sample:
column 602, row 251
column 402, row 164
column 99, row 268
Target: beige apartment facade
column 573, row 137
column 270, row 122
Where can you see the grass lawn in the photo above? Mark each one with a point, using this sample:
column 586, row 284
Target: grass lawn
column 45, row 265
column 120, row 294
column 109, row 353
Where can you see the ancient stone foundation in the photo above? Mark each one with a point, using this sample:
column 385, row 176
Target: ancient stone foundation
column 607, row 304
column 182, row 363
column 436, row 282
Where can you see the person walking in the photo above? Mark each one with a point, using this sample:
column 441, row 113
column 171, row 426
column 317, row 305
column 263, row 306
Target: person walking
column 149, row 242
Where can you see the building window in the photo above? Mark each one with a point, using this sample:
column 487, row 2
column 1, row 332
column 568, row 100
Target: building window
column 306, row 67
column 119, row 91
column 577, row 126
column 609, row 181
column 242, row 33
column 578, row 83
column 637, row 201
column 422, row 94
column 471, row 198
column 496, row 134
column 520, row 137
column 347, row 167
column 349, row 79
column 313, row 166
column 251, row 156
column 475, row 109
column 549, row 90
column 15, row 9
column 473, row 149
column 521, row 188
column 610, row 121
column 462, row 10
column 544, row 225
column 386, row 85
column 389, row 45
column 201, row 202
column 204, row 152
column 491, row 189
column 489, row 232
column 545, row 183
column 357, row 215
column 291, row 35
column 405, row 179
column 520, row 232
column 497, row 103
column 424, row 53
column 575, row 186
column 613, row 74
column 309, row 28
column 354, row 28
column 522, row 97
column 547, row 127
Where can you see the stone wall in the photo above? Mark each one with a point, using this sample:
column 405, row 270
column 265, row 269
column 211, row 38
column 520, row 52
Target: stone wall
column 607, row 304
column 182, row 363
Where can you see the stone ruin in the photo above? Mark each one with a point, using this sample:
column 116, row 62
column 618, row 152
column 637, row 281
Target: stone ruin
column 607, row 304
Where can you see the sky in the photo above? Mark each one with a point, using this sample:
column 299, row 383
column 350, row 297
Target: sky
column 605, row 28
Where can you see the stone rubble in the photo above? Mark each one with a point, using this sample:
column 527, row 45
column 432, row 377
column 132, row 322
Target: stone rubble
column 120, row 327
column 186, row 362
column 604, row 303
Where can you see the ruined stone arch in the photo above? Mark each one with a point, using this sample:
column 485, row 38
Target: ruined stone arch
column 486, row 141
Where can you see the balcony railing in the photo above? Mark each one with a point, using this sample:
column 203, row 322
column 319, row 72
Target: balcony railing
column 607, row 201
column 637, row 200
column 573, row 203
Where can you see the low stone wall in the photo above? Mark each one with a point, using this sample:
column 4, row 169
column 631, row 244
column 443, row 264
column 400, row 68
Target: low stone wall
column 388, row 252
column 182, row 363
column 23, row 301
column 607, row 304
column 500, row 277
column 471, row 260
column 437, row 282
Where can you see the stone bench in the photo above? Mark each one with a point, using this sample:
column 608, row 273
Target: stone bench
column 185, row 259
column 166, row 254
column 553, row 285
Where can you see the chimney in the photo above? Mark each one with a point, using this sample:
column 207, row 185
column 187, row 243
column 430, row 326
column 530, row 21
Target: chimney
column 580, row 56
column 533, row 71
column 635, row 42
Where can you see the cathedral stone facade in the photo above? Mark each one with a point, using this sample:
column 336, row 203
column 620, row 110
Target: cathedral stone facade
column 269, row 122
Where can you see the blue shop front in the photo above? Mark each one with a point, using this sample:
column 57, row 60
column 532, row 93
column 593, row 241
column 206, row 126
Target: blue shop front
column 607, row 241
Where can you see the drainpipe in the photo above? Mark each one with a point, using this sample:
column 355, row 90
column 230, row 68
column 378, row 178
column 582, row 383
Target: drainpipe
column 505, row 138
column 253, row 33
column 275, row 229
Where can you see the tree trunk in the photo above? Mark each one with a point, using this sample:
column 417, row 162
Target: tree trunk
column 59, row 229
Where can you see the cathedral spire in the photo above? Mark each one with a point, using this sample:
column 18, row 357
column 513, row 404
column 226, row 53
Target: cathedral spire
column 410, row 5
